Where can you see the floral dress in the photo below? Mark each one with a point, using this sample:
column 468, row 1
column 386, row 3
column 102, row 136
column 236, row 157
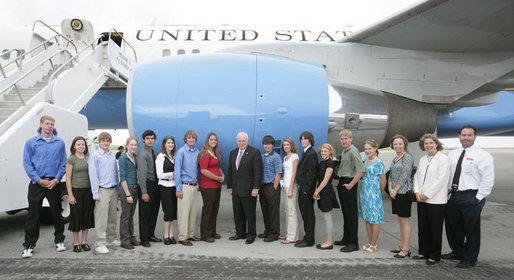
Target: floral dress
column 371, row 208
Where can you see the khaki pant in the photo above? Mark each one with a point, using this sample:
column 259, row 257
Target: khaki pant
column 105, row 216
column 291, row 213
column 186, row 210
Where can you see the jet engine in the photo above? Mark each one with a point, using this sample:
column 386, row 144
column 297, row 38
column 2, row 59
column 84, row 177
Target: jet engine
column 262, row 95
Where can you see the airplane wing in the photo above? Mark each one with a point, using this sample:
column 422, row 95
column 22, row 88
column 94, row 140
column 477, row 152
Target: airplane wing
column 445, row 26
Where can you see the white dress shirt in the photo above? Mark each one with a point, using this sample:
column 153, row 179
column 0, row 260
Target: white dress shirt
column 161, row 175
column 477, row 172
column 431, row 178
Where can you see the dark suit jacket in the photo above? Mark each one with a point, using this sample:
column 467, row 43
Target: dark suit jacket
column 307, row 169
column 249, row 174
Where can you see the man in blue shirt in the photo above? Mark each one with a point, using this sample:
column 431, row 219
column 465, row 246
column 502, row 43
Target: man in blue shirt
column 103, row 175
column 44, row 159
column 186, row 182
column 270, row 190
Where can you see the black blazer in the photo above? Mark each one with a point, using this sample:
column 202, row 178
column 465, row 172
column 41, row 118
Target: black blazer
column 307, row 169
column 249, row 174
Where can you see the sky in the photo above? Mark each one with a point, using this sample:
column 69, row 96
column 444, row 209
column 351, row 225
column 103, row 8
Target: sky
column 322, row 13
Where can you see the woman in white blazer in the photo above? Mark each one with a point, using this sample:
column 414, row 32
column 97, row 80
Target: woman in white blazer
column 431, row 189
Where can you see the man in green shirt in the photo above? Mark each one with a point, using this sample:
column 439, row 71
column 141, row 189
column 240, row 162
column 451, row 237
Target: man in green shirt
column 350, row 171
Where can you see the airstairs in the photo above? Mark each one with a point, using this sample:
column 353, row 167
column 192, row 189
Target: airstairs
column 57, row 76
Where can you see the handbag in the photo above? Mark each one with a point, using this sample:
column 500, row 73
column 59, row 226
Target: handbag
column 411, row 196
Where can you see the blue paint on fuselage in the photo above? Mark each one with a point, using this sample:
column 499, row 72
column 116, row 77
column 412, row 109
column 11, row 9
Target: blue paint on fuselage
column 494, row 119
column 229, row 93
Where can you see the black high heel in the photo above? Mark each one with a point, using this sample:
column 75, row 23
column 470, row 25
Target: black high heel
column 396, row 251
column 405, row 254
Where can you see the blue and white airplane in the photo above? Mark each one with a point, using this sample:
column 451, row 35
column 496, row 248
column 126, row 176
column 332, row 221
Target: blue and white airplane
column 406, row 74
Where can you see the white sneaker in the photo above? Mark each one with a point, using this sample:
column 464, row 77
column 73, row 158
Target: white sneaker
column 115, row 242
column 101, row 250
column 28, row 252
column 59, row 247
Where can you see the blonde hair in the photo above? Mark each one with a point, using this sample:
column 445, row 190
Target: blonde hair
column 372, row 143
column 330, row 149
column 346, row 132
column 291, row 143
column 46, row 117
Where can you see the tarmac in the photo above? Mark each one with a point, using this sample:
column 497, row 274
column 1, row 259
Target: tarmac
column 227, row 259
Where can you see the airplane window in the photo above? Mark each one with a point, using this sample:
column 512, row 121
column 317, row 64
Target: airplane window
column 5, row 54
column 181, row 51
column 196, row 51
column 166, row 52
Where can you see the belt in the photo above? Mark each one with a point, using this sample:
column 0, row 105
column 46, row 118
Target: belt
column 463, row 192
column 190, row 184
column 109, row 187
column 48, row 178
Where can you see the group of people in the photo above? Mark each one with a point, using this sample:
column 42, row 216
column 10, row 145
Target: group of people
column 446, row 188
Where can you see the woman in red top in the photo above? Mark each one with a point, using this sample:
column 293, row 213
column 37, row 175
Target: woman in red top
column 211, row 178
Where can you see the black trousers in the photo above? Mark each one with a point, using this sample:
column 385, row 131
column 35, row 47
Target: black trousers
column 35, row 197
column 211, row 204
column 306, row 205
column 463, row 224
column 148, row 211
column 244, row 213
column 430, row 229
column 270, row 205
column 349, row 207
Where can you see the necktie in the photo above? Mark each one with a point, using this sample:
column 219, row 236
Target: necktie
column 239, row 159
column 456, row 176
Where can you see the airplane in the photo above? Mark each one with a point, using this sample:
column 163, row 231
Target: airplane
column 396, row 76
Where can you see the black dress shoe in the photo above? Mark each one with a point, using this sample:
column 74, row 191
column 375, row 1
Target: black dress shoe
column 262, row 235
column 431, row 262
column 217, row 236
column 249, row 240
column 236, row 237
column 172, row 240
column 318, row 246
column 340, row 243
column 145, row 244
column 155, row 239
column 451, row 256
column 270, row 238
column 349, row 248
column 167, row 241
column 418, row 257
column 465, row 264
column 303, row 244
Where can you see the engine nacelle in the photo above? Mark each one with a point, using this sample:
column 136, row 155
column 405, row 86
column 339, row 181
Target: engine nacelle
column 377, row 115
column 226, row 94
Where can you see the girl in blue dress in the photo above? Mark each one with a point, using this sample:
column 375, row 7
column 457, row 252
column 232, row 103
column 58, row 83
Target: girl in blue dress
column 371, row 208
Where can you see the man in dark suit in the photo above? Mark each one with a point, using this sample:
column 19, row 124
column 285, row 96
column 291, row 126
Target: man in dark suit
column 306, row 180
column 244, row 181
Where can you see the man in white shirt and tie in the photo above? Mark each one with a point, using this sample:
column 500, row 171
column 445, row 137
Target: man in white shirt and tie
column 472, row 180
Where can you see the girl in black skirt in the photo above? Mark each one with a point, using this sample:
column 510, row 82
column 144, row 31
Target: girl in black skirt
column 82, row 205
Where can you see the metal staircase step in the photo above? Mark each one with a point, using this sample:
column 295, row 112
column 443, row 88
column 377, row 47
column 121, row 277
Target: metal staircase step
column 6, row 112
column 15, row 97
column 10, row 104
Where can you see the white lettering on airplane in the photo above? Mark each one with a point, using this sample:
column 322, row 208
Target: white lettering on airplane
column 237, row 35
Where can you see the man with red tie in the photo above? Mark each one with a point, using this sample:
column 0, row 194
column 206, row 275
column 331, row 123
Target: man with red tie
column 244, row 182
